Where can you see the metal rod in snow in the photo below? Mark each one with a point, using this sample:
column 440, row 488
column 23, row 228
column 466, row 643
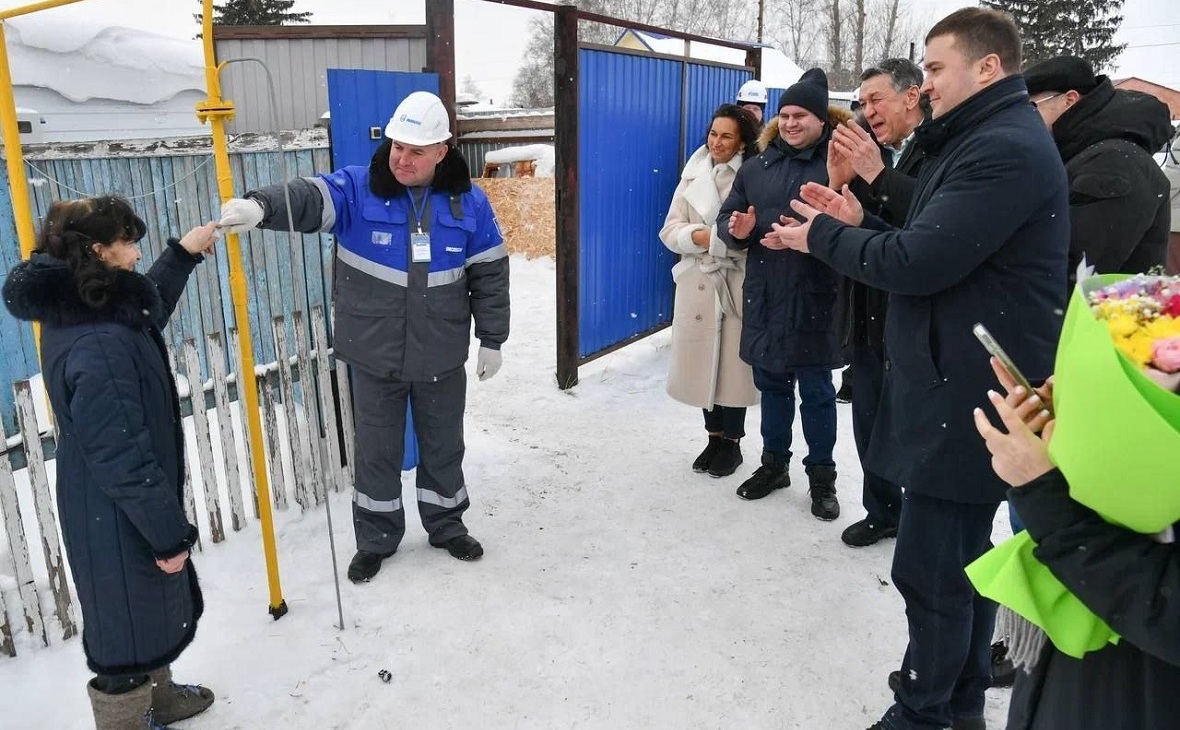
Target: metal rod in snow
column 335, row 568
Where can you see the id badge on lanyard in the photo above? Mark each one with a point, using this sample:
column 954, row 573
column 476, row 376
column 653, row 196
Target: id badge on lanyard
column 419, row 241
column 420, row 247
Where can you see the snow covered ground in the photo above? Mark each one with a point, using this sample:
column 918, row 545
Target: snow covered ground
column 619, row 589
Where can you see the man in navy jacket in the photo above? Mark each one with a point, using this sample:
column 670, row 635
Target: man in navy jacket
column 986, row 241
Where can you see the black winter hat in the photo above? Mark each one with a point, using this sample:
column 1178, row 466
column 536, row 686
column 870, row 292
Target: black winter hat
column 809, row 92
column 1061, row 74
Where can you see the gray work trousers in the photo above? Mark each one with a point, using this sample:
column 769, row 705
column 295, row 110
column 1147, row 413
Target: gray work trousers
column 380, row 407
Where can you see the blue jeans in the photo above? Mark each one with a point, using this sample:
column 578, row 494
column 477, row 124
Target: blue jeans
column 881, row 497
column 817, row 410
column 947, row 665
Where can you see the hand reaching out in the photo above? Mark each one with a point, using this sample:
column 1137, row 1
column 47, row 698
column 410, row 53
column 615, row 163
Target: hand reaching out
column 200, row 239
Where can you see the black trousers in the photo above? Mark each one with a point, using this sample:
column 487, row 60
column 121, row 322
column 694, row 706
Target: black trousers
column 727, row 421
column 881, row 497
column 947, row 664
column 380, row 406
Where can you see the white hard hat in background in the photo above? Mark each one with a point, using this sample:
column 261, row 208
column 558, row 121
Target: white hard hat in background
column 421, row 119
column 752, row 92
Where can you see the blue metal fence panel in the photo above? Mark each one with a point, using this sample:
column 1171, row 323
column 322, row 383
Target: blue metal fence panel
column 708, row 88
column 361, row 103
column 629, row 163
column 772, row 97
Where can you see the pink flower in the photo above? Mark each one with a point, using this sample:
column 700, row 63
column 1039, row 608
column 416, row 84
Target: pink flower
column 1165, row 354
column 1172, row 306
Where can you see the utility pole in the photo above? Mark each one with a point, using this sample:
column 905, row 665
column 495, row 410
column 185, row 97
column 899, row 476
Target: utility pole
column 761, row 16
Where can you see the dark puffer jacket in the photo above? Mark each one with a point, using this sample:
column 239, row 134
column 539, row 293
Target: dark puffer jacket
column 1118, row 196
column 792, row 313
column 1132, row 582
column 120, row 456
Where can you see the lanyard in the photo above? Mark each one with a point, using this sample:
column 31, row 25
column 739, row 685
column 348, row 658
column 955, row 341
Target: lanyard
column 418, row 213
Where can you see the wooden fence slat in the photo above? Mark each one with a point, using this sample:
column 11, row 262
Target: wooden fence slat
column 311, row 426
column 39, row 480
column 192, row 364
column 190, row 502
column 332, row 468
column 241, row 432
column 344, row 384
column 6, row 644
column 274, row 445
column 225, row 426
column 299, row 464
column 18, row 550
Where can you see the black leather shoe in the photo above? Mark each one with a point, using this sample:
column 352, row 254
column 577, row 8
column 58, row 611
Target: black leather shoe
column 365, row 565
column 727, row 459
column 463, row 547
column 766, row 479
column 866, row 532
column 702, row 462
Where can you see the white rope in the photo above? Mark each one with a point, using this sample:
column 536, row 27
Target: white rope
column 148, row 194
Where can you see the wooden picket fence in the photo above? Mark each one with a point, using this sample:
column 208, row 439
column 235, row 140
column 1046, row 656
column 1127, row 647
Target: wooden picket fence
column 299, row 409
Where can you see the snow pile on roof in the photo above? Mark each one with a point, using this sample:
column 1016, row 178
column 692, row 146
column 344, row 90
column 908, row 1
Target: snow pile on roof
column 83, row 61
column 777, row 70
column 543, row 154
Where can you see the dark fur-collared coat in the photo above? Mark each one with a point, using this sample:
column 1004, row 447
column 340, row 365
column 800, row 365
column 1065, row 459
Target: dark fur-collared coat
column 120, row 455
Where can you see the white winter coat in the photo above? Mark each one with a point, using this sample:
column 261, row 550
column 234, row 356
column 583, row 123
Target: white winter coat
column 706, row 321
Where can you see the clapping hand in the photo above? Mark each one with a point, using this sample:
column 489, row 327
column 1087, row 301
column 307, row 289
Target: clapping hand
column 840, row 171
column 741, row 225
column 843, row 205
column 860, row 149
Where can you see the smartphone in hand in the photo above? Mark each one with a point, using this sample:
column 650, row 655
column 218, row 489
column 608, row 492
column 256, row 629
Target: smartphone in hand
column 990, row 344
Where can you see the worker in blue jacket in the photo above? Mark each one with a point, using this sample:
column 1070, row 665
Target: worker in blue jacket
column 419, row 256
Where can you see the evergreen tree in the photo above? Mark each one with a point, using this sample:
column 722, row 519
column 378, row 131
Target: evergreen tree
column 256, row 12
column 1082, row 28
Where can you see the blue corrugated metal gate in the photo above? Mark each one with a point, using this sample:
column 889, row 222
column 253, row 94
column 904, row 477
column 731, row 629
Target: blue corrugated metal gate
column 640, row 117
column 361, row 103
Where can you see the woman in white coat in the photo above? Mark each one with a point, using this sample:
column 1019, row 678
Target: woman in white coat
column 706, row 371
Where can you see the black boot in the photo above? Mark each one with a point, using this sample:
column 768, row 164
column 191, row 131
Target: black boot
column 727, row 459
column 824, row 504
column 770, row 476
column 463, row 547
column 365, row 565
column 701, row 465
column 866, row 532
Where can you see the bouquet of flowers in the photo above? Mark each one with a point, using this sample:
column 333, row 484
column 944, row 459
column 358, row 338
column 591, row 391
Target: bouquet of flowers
column 1116, row 441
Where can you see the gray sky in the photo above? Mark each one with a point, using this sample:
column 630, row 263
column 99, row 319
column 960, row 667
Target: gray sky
column 491, row 37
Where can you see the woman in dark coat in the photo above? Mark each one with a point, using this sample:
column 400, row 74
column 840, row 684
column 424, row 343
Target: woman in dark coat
column 1129, row 580
column 120, row 449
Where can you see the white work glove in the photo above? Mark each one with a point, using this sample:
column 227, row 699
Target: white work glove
column 239, row 215
column 488, row 363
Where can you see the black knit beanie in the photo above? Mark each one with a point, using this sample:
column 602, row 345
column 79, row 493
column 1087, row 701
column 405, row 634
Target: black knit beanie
column 809, row 92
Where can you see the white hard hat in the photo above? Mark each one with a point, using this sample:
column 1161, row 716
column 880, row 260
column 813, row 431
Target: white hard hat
column 421, row 119
column 752, row 92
